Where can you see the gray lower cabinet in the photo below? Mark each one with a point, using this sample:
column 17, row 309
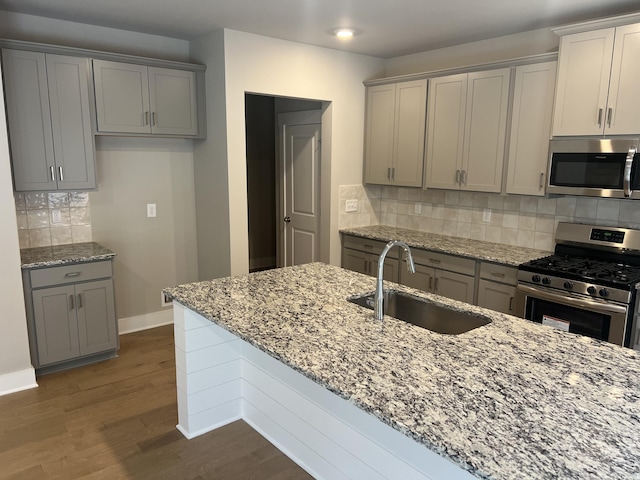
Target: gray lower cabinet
column 457, row 286
column 497, row 287
column 361, row 255
column 49, row 121
column 72, row 319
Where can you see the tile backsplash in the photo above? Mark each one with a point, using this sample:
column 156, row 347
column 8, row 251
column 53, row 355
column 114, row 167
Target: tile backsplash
column 53, row 218
column 512, row 219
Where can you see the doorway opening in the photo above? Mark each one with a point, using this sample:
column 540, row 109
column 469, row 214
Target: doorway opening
column 270, row 235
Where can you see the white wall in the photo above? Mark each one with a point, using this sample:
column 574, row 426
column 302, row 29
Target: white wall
column 268, row 66
column 16, row 372
column 17, row 26
column 485, row 51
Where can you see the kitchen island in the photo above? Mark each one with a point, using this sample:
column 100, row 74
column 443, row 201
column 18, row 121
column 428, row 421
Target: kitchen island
column 346, row 396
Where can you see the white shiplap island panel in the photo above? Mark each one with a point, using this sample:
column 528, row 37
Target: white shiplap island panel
column 348, row 397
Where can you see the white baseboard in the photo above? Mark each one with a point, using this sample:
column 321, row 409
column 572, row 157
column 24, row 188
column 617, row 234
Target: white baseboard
column 17, row 381
column 146, row 321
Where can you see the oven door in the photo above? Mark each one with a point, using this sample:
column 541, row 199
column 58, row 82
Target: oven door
column 595, row 318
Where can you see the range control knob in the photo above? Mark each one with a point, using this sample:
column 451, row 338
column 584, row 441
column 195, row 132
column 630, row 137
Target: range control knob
column 604, row 292
column 568, row 285
column 546, row 280
column 592, row 290
column 535, row 278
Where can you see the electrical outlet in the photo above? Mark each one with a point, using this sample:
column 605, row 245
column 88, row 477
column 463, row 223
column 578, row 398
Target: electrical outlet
column 417, row 208
column 165, row 301
column 56, row 216
column 351, row 206
column 486, row 215
column 151, row 210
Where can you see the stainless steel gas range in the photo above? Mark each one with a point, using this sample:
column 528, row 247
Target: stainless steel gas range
column 588, row 286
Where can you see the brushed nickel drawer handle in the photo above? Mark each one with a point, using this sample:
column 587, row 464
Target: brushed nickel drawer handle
column 79, row 300
column 434, row 260
column 498, row 274
column 72, row 274
column 511, row 304
column 71, row 302
column 53, row 173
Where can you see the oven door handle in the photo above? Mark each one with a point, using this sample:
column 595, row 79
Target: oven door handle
column 571, row 301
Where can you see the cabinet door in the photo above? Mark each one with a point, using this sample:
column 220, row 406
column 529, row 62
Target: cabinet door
column 378, row 149
column 583, row 81
column 356, row 261
column 422, row 279
column 455, row 286
column 172, row 99
column 485, row 130
column 97, row 330
column 624, row 95
column 445, row 130
column 29, row 120
column 496, row 296
column 410, row 116
column 122, row 97
column 531, row 128
column 56, row 324
column 73, row 141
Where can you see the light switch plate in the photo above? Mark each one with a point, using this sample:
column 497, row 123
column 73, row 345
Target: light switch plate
column 351, row 206
column 417, row 208
column 151, row 210
column 56, row 216
column 486, row 215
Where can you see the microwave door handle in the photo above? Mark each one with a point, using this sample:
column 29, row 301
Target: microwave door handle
column 627, row 171
column 571, row 301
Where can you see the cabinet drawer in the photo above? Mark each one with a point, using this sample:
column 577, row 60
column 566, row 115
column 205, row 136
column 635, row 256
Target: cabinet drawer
column 499, row 273
column 79, row 272
column 443, row 261
column 368, row 246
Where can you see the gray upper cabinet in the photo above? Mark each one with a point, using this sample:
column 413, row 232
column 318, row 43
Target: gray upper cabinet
column 136, row 99
column 49, row 120
column 394, row 133
column 467, row 122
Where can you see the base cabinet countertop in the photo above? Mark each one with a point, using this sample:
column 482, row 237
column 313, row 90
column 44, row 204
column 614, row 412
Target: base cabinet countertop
column 69, row 300
column 511, row 399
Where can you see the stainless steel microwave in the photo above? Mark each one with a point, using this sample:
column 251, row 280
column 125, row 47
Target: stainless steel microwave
column 595, row 167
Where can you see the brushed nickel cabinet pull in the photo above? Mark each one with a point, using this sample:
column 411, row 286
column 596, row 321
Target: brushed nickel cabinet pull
column 146, row 118
column 61, row 174
column 464, row 177
column 53, row 173
column 72, row 274
column 511, row 304
column 435, row 260
column 600, row 117
column 393, row 173
column 431, row 284
column 71, row 307
column 389, row 173
column 541, row 181
column 153, row 118
column 436, row 289
column 458, row 177
column 609, row 114
column 79, row 300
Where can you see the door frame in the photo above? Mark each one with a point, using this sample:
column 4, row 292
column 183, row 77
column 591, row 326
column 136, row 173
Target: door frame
column 304, row 117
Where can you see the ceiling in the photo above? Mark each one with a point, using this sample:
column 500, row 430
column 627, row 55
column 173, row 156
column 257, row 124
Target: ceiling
column 385, row 28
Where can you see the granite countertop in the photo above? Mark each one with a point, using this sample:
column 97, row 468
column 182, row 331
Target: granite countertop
column 464, row 247
column 64, row 255
column 512, row 399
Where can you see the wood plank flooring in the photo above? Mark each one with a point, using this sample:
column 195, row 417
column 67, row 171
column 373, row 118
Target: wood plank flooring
column 116, row 420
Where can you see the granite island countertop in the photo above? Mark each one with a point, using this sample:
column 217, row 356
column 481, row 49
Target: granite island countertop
column 67, row 254
column 508, row 400
column 465, row 247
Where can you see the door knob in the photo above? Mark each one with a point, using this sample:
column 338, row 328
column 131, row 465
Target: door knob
column 287, row 219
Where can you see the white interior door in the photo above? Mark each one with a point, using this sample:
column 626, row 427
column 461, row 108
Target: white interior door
column 301, row 218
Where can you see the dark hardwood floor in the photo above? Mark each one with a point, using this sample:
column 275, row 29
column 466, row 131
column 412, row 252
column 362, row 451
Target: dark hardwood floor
column 116, row 420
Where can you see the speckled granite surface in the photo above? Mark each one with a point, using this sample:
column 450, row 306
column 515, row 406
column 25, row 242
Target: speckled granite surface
column 509, row 400
column 465, row 247
column 64, row 254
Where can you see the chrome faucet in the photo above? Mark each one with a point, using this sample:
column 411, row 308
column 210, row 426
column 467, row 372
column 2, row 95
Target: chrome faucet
column 378, row 310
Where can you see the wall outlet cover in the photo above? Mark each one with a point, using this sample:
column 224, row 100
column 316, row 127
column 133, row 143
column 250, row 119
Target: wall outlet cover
column 486, row 215
column 56, row 216
column 417, row 208
column 351, row 206
column 151, row 210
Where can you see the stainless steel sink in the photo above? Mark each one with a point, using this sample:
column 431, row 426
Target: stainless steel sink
column 419, row 312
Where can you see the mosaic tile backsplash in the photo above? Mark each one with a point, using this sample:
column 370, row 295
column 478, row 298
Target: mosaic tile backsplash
column 53, row 218
column 512, row 219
